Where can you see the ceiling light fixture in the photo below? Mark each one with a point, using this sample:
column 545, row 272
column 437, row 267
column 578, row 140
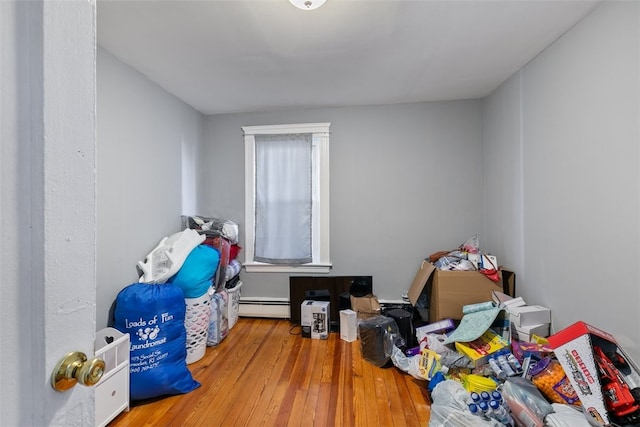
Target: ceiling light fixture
column 307, row 4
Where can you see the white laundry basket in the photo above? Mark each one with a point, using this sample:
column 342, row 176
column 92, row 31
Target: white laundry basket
column 196, row 322
column 233, row 304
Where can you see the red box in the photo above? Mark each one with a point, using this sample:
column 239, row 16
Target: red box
column 577, row 348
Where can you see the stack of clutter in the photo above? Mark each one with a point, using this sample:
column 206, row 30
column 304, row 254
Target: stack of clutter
column 183, row 260
column 488, row 359
column 166, row 314
column 194, row 278
column 579, row 376
column 224, row 292
column 479, row 338
column 527, row 321
column 200, row 261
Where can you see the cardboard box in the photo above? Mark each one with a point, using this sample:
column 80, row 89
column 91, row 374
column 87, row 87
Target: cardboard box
column 524, row 333
column 529, row 315
column 575, row 348
column 366, row 306
column 448, row 291
column 315, row 319
column 348, row 325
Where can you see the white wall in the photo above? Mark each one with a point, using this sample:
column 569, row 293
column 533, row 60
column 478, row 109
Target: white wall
column 142, row 132
column 503, row 198
column 569, row 125
column 406, row 181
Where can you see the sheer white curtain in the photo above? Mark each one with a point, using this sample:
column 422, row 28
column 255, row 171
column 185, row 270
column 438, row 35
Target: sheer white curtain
column 283, row 204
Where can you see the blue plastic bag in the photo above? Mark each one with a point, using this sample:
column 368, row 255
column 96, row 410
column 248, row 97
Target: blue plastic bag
column 153, row 316
column 196, row 274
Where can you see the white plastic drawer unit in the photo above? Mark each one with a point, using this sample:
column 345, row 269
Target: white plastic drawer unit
column 112, row 391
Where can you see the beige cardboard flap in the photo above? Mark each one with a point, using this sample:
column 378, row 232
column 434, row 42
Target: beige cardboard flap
column 419, row 282
column 367, row 304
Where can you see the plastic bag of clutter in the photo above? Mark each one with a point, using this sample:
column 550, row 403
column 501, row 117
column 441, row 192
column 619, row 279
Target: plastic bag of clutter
column 433, row 357
column 449, row 408
column 528, row 406
column 378, row 337
column 457, row 259
column 566, row 416
column 472, row 245
column 408, row 364
column 453, row 262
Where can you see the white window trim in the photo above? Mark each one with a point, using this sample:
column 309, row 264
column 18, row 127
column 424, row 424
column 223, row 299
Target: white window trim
column 321, row 242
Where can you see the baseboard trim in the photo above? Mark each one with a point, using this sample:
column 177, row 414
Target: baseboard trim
column 275, row 308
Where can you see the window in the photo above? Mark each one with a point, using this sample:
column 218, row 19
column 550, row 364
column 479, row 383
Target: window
column 287, row 198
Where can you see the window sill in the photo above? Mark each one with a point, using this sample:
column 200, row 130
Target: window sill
column 256, row 267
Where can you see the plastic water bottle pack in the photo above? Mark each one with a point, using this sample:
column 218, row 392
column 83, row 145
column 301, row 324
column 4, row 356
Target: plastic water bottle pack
column 490, row 406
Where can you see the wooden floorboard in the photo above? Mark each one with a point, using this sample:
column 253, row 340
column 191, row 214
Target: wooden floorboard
column 265, row 374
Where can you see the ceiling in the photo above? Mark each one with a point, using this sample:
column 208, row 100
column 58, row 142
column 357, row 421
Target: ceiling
column 226, row 56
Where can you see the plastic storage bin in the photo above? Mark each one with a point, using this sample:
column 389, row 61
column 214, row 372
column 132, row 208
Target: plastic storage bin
column 218, row 322
column 233, row 304
column 112, row 391
column 196, row 322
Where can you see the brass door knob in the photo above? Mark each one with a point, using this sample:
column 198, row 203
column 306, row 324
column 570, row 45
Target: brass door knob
column 75, row 368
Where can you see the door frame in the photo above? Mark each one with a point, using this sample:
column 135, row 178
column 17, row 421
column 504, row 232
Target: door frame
column 48, row 205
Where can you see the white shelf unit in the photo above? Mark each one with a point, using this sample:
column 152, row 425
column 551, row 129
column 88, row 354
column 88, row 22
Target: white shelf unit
column 112, row 391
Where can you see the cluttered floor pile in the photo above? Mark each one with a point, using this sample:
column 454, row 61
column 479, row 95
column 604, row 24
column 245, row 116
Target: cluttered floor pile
column 187, row 299
column 497, row 365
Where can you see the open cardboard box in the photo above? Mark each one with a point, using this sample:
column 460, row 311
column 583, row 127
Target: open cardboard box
column 448, row 291
column 575, row 348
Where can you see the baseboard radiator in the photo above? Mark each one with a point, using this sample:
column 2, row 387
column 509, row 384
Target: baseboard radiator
column 278, row 308
column 273, row 308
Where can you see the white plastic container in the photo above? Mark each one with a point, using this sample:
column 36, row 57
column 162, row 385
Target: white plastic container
column 348, row 325
column 196, row 322
column 112, row 391
column 233, row 304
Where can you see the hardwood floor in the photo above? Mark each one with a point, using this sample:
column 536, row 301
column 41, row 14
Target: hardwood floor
column 265, row 374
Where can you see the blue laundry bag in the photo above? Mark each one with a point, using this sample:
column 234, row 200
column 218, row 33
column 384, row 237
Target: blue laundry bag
column 153, row 315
